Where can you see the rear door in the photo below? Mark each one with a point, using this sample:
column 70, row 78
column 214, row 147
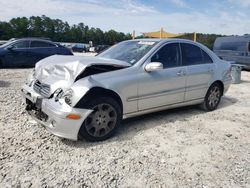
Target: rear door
column 200, row 69
column 40, row 50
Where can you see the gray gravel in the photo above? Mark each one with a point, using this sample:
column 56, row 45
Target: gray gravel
column 176, row 148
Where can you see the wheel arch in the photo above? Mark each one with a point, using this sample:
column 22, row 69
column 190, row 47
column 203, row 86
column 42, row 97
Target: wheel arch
column 221, row 85
column 218, row 82
column 98, row 91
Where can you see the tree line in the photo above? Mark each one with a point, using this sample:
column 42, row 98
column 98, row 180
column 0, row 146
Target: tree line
column 58, row 30
column 206, row 39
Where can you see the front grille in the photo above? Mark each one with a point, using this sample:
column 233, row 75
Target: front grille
column 42, row 89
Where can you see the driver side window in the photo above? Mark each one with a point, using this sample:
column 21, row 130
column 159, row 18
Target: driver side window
column 169, row 55
column 22, row 44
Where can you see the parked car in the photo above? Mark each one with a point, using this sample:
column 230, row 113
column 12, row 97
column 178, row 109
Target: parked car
column 101, row 48
column 27, row 52
column 2, row 42
column 234, row 48
column 129, row 79
column 79, row 48
column 98, row 48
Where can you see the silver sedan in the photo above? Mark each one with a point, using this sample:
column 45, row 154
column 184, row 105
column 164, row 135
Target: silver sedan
column 75, row 97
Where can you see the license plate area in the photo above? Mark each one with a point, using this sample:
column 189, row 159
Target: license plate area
column 31, row 105
column 38, row 103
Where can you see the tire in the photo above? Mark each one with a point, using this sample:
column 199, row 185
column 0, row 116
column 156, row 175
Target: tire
column 103, row 122
column 212, row 98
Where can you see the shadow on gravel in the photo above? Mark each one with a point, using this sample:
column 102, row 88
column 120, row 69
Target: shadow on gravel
column 245, row 81
column 4, row 83
column 227, row 101
column 131, row 127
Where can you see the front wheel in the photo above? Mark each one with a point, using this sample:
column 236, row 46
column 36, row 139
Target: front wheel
column 212, row 98
column 102, row 123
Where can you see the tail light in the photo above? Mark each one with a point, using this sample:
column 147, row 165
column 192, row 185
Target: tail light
column 228, row 73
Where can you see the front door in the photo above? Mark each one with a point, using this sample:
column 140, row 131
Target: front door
column 166, row 86
column 16, row 55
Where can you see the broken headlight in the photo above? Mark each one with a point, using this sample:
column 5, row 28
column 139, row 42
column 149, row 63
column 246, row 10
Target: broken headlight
column 31, row 78
column 58, row 94
column 68, row 95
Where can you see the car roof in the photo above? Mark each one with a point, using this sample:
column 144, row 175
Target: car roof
column 163, row 40
column 32, row 38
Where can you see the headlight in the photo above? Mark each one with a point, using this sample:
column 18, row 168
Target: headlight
column 58, row 94
column 68, row 95
column 31, row 78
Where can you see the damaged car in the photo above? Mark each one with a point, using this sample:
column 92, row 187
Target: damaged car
column 88, row 97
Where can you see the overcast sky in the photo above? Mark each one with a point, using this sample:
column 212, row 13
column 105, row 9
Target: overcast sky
column 178, row 16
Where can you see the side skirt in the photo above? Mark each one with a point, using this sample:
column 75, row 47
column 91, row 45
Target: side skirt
column 161, row 108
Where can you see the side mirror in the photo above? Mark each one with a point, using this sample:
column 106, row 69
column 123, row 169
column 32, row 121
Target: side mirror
column 153, row 66
column 10, row 48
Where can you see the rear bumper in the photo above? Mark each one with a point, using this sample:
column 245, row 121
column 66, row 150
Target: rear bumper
column 56, row 120
column 227, row 84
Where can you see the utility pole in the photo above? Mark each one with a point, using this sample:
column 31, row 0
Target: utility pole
column 195, row 36
column 161, row 32
column 133, row 35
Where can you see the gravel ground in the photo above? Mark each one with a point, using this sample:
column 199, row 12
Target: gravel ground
column 184, row 147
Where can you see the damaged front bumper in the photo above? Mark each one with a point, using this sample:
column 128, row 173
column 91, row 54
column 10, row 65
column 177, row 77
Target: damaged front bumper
column 55, row 116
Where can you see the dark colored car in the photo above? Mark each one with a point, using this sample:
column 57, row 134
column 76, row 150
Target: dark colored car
column 79, row 48
column 101, row 48
column 27, row 52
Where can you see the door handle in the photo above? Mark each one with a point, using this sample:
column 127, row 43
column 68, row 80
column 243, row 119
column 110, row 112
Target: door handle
column 211, row 70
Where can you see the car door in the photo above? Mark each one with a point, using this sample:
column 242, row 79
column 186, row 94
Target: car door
column 200, row 69
column 166, row 86
column 16, row 54
column 40, row 50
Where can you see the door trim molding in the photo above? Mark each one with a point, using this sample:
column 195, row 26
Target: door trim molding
column 158, row 94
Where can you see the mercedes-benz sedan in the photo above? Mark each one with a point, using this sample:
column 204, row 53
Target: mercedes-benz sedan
column 88, row 97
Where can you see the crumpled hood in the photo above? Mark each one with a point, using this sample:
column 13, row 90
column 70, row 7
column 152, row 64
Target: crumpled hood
column 63, row 70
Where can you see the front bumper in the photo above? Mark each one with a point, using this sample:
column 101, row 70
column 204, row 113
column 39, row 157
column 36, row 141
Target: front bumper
column 55, row 114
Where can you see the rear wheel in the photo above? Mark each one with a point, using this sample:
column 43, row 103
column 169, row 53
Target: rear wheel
column 102, row 123
column 212, row 98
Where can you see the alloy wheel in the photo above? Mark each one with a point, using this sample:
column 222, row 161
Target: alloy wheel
column 101, row 121
column 214, row 97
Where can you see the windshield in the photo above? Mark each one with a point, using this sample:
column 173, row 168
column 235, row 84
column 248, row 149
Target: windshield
column 5, row 44
column 129, row 51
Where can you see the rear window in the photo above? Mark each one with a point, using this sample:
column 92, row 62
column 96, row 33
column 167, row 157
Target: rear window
column 40, row 44
column 206, row 58
column 233, row 46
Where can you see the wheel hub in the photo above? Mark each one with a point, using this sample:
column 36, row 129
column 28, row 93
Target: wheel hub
column 101, row 121
column 214, row 97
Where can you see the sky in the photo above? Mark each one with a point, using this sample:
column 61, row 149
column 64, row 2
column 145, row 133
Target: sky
column 230, row 17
